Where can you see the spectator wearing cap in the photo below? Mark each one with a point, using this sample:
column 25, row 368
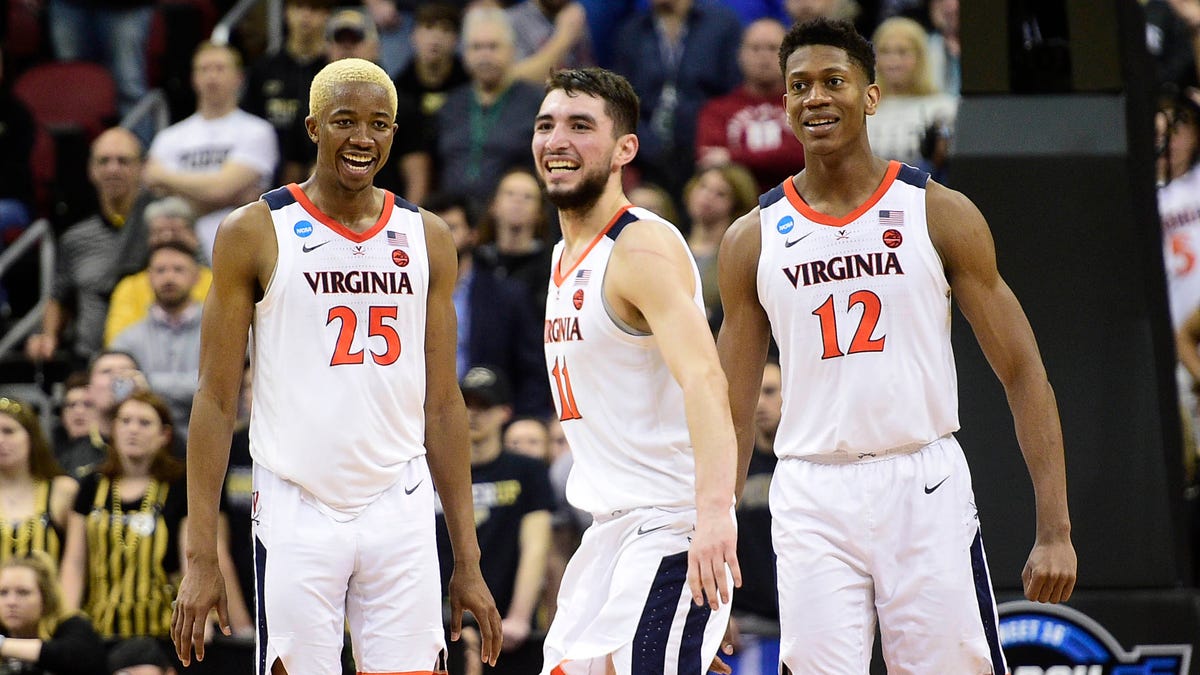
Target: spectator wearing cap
column 139, row 656
column 513, row 501
column 277, row 85
column 167, row 219
column 350, row 33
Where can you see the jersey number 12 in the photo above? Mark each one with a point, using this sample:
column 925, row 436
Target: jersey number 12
column 862, row 340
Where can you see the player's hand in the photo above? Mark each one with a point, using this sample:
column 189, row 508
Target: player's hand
column 714, row 545
column 469, row 592
column 202, row 590
column 516, row 632
column 730, row 643
column 1049, row 574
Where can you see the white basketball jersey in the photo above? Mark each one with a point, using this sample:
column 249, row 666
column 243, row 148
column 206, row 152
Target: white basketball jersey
column 339, row 352
column 1179, row 211
column 620, row 407
column 860, row 308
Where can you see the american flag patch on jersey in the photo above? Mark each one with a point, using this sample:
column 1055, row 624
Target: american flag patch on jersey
column 890, row 217
column 397, row 238
column 582, row 276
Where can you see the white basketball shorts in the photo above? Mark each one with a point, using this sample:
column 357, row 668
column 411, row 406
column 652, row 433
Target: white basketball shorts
column 895, row 538
column 377, row 571
column 625, row 594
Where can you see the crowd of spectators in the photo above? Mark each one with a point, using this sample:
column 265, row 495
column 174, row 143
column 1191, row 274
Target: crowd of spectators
column 97, row 502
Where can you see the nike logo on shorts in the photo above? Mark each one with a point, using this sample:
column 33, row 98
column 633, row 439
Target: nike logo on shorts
column 409, row 491
column 642, row 529
column 929, row 490
column 309, row 249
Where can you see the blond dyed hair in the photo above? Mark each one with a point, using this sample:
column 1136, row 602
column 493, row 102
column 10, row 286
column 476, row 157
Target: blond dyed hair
column 343, row 71
column 910, row 31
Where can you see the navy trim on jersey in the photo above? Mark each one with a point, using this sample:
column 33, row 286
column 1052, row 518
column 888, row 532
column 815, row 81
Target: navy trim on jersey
column 771, row 197
column 913, row 176
column 983, row 594
column 403, row 203
column 654, row 628
column 625, row 219
column 279, row 198
column 693, row 638
column 260, row 588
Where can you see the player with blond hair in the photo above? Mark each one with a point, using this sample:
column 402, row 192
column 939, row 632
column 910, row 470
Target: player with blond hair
column 357, row 411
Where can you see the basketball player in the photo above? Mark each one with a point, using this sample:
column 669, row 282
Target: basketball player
column 851, row 264
column 349, row 291
column 642, row 400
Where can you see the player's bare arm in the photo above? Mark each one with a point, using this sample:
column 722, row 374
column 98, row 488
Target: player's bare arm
column 1187, row 344
column 650, row 286
column 961, row 236
column 243, row 260
column 745, row 331
column 447, row 447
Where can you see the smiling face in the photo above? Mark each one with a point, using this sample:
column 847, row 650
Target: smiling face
column 827, row 98
column 574, row 149
column 354, row 133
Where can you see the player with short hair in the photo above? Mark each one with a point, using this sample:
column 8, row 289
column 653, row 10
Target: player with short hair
column 851, row 265
column 641, row 397
column 356, row 406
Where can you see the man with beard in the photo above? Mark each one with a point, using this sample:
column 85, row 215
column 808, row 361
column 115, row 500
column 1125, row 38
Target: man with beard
column 167, row 342
column 641, row 398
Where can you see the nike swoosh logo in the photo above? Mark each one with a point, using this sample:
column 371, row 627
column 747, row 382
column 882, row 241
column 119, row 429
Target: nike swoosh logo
column 642, row 530
column 793, row 242
column 409, row 491
column 929, row 490
column 309, row 249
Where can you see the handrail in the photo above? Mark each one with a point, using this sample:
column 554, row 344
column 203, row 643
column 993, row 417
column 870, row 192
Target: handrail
column 155, row 104
column 224, row 28
column 39, row 232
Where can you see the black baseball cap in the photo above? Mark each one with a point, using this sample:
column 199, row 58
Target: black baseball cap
column 484, row 385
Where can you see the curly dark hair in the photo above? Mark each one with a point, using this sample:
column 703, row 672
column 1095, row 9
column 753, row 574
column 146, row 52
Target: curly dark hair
column 839, row 34
column 620, row 100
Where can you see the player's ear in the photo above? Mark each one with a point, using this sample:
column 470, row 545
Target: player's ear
column 626, row 150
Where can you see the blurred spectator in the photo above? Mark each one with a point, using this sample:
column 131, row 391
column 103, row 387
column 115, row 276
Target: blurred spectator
column 513, row 501
column 750, row 11
column 167, row 342
column 714, row 198
column 40, row 637
column 169, row 219
column 113, row 33
column 112, row 375
column 1173, row 40
column 395, row 26
column 800, row 11
column 486, row 127
column 749, row 125
column 910, row 107
column 37, row 497
column 604, row 18
column 221, row 156
column 139, row 656
column 16, row 145
column 277, row 85
column 755, row 605
column 434, row 70
column 528, row 436
column 514, row 236
column 655, row 199
column 550, row 34
column 677, row 55
column 77, row 413
column 92, row 252
column 496, row 325
column 1179, row 207
column 123, row 553
column 351, row 34
column 945, row 50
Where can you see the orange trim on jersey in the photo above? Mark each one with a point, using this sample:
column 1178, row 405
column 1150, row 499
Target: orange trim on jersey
column 797, row 202
column 559, row 275
column 558, row 670
column 406, row 672
column 389, row 201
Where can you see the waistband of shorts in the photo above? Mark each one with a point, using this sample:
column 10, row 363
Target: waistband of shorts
column 652, row 510
column 847, row 457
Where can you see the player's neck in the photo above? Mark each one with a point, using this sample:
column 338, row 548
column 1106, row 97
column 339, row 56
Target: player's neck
column 216, row 109
column 840, row 180
column 358, row 210
column 580, row 226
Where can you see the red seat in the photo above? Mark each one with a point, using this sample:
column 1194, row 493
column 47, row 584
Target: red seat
column 69, row 94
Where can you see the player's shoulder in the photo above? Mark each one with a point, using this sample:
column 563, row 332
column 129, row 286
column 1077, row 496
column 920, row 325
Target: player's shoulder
column 947, row 205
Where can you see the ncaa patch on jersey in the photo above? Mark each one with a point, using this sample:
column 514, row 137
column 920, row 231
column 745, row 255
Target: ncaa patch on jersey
column 302, row 228
column 785, row 224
